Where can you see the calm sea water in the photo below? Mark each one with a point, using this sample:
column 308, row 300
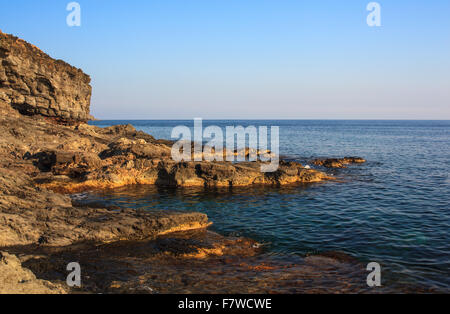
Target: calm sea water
column 394, row 210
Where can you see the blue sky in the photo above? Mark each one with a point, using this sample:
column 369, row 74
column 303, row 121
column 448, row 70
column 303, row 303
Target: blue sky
column 249, row 59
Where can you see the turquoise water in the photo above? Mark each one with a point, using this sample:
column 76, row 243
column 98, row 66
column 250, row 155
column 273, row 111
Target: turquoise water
column 394, row 210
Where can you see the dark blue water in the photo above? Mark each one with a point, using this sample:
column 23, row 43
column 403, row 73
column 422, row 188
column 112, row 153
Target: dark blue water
column 394, row 210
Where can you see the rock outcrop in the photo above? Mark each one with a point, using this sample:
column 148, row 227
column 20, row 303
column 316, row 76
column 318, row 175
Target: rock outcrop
column 14, row 279
column 338, row 162
column 30, row 215
column 35, row 84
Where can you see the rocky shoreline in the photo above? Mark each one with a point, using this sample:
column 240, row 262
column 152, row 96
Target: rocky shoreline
column 47, row 151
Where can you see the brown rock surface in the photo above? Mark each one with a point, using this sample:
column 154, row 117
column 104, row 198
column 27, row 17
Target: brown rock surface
column 31, row 215
column 14, row 279
column 338, row 162
column 33, row 83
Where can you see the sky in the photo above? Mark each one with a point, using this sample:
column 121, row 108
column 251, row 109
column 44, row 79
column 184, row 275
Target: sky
column 249, row 59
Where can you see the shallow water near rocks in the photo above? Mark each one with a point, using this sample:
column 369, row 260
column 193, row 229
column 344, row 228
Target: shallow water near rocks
column 394, row 210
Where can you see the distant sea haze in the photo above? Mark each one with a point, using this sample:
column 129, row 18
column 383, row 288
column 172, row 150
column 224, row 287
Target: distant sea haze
column 394, row 210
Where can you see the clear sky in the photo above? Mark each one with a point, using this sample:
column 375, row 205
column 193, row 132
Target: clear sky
column 260, row 59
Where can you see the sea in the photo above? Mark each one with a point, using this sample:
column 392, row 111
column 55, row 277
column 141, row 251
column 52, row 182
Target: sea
column 393, row 210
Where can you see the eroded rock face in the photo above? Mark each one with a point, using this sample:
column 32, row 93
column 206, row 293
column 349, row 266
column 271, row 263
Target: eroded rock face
column 15, row 279
column 29, row 215
column 35, row 84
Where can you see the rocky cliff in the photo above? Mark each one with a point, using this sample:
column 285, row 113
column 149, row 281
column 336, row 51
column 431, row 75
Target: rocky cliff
column 35, row 84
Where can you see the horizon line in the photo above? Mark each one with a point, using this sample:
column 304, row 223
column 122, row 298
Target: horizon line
column 265, row 119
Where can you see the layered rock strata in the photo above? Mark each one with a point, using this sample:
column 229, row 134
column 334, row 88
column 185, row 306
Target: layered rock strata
column 35, row 84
